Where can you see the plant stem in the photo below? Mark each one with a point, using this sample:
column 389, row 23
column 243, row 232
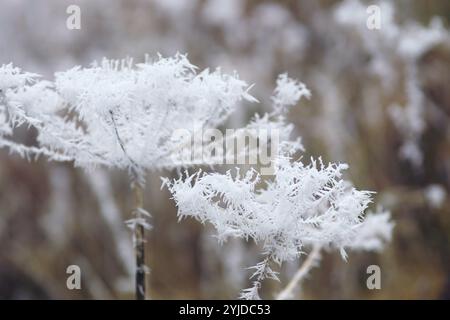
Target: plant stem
column 139, row 219
column 304, row 269
column 139, row 233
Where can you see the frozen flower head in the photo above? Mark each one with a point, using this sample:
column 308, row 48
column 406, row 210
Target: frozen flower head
column 121, row 114
column 304, row 205
column 124, row 115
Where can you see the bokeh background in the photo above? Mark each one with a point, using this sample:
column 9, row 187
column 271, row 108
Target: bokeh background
column 381, row 102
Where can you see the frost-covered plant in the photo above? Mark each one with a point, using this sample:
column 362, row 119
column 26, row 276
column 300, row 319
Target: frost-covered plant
column 302, row 206
column 119, row 115
column 123, row 115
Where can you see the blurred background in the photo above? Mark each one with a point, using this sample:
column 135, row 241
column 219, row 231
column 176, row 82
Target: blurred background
column 381, row 102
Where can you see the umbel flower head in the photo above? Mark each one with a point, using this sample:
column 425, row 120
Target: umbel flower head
column 116, row 113
column 124, row 115
column 303, row 206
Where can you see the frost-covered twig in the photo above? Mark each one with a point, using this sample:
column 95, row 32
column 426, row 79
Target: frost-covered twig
column 262, row 271
column 310, row 262
column 139, row 241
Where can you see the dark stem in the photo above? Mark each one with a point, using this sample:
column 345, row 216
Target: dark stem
column 139, row 238
column 139, row 231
